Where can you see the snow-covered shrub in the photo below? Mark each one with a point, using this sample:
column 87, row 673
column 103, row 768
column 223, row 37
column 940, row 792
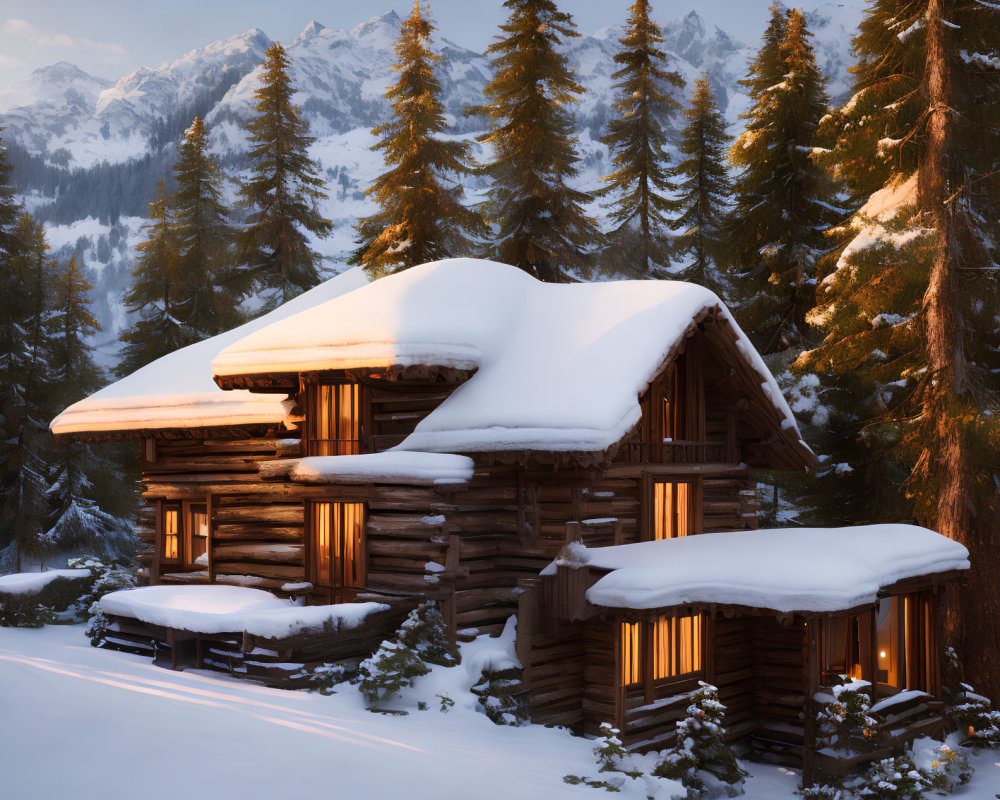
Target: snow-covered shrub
column 893, row 779
column 942, row 767
column 105, row 578
column 610, row 752
column 845, row 723
column 498, row 699
column 25, row 612
column 700, row 759
column 97, row 628
column 974, row 718
column 425, row 633
column 324, row 677
column 447, row 704
column 391, row 668
column 823, row 791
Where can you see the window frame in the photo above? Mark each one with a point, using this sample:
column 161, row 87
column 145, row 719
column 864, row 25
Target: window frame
column 644, row 664
column 693, row 506
column 314, row 443
column 342, row 589
column 185, row 532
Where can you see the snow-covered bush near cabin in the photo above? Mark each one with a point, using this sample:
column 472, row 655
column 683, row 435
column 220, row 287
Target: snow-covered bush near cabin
column 97, row 627
column 974, row 717
column 392, row 668
column 105, row 578
column 700, row 758
column 324, row 677
column 892, row 779
column 424, row 633
column 943, row 767
column 498, row 696
column 844, row 721
column 25, row 612
column 610, row 751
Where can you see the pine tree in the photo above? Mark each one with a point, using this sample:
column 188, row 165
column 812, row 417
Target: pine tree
column 781, row 206
column 704, row 191
column 25, row 452
column 76, row 520
column 908, row 301
column 283, row 189
column 540, row 223
column 421, row 217
column 637, row 141
column 155, row 295
column 208, row 282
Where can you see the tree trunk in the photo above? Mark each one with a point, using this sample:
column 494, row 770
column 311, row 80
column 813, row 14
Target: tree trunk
column 946, row 462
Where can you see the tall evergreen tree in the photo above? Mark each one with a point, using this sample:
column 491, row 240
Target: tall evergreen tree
column 781, row 206
column 421, row 216
column 208, row 281
column 26, row 450
column 704, row 191
column 77, row 520
column 908, row 302
column 540, row 223
column 283, row 189
column 155, row 295
column 636, row 139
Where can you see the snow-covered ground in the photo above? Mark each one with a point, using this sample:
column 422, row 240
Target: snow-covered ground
column 81, row 723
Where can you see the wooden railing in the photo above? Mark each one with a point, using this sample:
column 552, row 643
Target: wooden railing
column 675, row 451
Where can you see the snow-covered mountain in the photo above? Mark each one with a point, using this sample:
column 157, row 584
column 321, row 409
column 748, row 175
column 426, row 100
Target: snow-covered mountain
column 88, row 154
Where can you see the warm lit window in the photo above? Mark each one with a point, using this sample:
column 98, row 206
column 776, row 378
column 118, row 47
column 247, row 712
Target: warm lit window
column 338, row 544
column 171, row 533
column 336, row 420
column 631, row 653
column 198, row 530
column 185, row 530
column 891, row 636
column 676, row 646
column 674, row 649
column 671, row 510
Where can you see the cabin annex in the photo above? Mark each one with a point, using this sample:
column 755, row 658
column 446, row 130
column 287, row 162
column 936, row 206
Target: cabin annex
column 581, row 456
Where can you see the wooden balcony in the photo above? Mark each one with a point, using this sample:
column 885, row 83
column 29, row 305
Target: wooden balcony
column 676, row 451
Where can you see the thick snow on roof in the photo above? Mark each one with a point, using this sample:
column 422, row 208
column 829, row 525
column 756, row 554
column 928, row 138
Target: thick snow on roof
column 231, row 609
column 388, row 467
column 177, row 391
column 560, row 366
column 787, row 569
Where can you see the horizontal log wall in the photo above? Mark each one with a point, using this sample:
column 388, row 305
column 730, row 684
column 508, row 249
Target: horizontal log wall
column 778, row 669
column 397, row 408
column 256, row 532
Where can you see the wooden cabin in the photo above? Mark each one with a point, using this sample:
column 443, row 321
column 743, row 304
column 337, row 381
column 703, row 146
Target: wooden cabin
column 445, row 432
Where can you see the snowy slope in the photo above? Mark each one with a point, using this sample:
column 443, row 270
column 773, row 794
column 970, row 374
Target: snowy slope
column 111, row 720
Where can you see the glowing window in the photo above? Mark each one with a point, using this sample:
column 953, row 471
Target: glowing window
column 671, row 510
column 336, row 420
column 171, row 533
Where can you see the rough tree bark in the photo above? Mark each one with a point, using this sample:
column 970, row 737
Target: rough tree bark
column 966, row 506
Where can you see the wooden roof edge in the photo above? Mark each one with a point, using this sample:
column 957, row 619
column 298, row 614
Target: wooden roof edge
column 224, row 431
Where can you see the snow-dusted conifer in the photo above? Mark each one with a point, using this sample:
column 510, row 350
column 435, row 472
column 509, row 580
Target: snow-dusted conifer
column 27, row 397
column 700, row 758
column 781, row 209
column 208, row 281
column 421, row 217
column 704, row 191
column 154, row 298
column 77, row 519
column 640, row 188
column 540, row 224
column 283, row 189
column 908, row 302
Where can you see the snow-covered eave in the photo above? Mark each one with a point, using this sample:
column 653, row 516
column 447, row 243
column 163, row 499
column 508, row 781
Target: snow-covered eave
column 782, row 571
column 401, row 467
column 135, row 415
column 361, row 355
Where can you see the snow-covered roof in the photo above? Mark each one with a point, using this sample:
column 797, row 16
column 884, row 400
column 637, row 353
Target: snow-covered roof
column 177, row 390
column 392, row 466
column 558, row 366
column 231, row 609
column 784, row 570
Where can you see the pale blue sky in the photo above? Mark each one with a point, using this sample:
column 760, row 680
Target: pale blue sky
column 111, row 38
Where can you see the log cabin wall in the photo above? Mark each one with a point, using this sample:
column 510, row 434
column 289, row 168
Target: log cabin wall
column 254, row 531
column 778, row 669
